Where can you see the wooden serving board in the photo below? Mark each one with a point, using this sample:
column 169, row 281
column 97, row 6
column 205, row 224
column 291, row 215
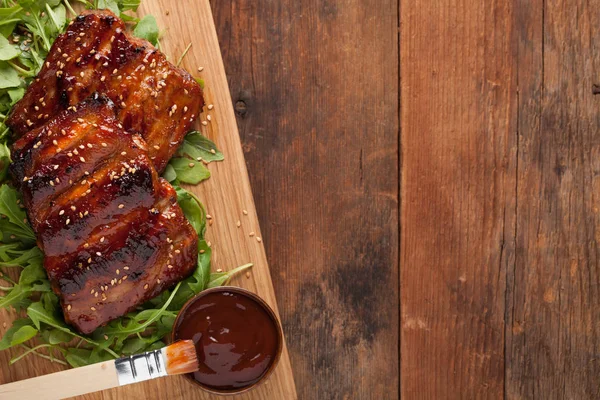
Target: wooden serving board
column 225, row 195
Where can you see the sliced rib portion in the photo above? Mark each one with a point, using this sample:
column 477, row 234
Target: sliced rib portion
column 111, row 230
column 153, row 97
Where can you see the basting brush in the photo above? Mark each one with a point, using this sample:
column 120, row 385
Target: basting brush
column 178, row 358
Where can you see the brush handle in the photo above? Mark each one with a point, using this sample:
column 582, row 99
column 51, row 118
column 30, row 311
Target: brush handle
column 69, row 383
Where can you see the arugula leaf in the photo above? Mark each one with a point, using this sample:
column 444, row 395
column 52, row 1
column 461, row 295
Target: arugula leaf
column 188, row 164
column 9, row 17
column 58, row 15
column 78, row 357
column 7, row 50
column 170, row 175
column 21, row 258
column 32, row 279
column 57, row 336
column 21, row 331
column 9, row 78
column 147, row 29
column 112, row 5
column 196, row 283
column 128, row 5
column 188, row 171
column 222, row 278
column 193, row 210
column 15, row 94
column 10, row 208
column 200, row 147
column 4, row 160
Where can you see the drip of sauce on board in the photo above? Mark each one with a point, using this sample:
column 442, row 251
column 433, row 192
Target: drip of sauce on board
column 236, row 339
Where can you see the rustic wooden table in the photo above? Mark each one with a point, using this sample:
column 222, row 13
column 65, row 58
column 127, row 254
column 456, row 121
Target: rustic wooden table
column 466, row 132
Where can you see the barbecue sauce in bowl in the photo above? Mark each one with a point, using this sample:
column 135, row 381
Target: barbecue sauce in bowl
column 237, row 336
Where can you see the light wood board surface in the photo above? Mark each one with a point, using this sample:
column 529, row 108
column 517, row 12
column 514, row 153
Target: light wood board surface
column 225, row 195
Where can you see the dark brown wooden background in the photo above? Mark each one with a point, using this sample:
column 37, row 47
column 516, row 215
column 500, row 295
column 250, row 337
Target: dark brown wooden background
column 427, row 176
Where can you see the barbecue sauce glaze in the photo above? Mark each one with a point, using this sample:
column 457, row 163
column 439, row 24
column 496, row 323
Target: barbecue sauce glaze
column 236, row 339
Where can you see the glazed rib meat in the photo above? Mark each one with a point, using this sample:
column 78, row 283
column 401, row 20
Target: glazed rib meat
column 95, row 55
column 111, row 230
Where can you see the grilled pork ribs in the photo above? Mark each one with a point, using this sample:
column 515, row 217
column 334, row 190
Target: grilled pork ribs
column 93, row 132
column 153, row 97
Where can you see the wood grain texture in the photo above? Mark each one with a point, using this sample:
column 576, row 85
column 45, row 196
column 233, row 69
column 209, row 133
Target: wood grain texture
column 499, row 270
column 316, row 89
column 457, row 143
column 553, row 329
column 225, row 196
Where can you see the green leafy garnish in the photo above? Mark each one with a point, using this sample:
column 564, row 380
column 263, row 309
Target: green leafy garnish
column 189, row 163
column 147, row 29
column 7, row 50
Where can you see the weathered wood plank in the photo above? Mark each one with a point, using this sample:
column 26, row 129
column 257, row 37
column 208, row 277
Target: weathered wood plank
column 458, row 151
column 553, row 333
column 316, row 88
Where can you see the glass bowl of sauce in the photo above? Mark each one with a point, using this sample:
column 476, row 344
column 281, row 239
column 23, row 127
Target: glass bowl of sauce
column 238, row 338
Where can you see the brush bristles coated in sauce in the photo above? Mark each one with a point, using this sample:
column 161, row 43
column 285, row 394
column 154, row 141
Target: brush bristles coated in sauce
column 181, row 358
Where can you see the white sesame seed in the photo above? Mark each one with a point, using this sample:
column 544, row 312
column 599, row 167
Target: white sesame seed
column 245, row 212
column 82, row 159
column 67, row 221
column 121, row 205
column 61, row 212
column 210, row 106
column 204, row 123
column 208, row 117
column 239, row 223
column 200, row 69
column 258, row 239
column 251, row 234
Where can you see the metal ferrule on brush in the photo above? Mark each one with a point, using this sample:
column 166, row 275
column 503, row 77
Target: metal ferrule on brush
column 141, row 367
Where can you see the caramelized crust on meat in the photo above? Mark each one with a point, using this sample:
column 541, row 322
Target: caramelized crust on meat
column 95, row 55
column 111, row 230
